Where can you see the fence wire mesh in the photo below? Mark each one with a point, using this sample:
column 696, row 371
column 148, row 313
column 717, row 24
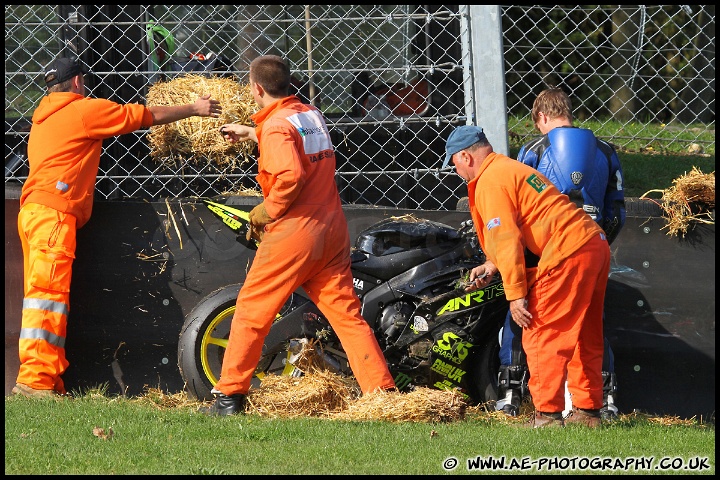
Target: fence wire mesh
column 391, row 79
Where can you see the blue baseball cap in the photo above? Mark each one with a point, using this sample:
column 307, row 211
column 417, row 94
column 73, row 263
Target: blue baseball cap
column 460, row 139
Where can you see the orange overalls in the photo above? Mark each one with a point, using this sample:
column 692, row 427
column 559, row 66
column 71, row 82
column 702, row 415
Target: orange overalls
column 64, row 153
column 515, row 207
column 306, row 245
column 48, row 242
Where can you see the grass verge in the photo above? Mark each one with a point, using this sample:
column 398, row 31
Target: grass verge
column 645, row 172
column 94, row 434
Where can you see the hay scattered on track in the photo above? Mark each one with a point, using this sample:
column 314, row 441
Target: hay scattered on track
column 423, row 404
column 322, row 393
column 196, row 139
column 157, row 398
column 690, row 200
column 408, row 217
column 316, row 394
column 667, row 420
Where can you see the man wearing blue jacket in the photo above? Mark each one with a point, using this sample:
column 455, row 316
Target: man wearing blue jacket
column 588, row 170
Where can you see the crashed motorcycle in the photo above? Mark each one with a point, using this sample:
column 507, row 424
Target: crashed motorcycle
column 410, row 275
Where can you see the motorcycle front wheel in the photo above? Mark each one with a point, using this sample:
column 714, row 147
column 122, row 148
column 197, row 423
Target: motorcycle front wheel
column 204, row 338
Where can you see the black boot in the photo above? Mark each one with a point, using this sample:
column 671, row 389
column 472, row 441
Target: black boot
column 609, row 411
column 225, row 405
column 513, row 399
column 512, row 382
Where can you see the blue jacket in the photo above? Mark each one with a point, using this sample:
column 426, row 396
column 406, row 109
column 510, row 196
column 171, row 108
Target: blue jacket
column 586, row 169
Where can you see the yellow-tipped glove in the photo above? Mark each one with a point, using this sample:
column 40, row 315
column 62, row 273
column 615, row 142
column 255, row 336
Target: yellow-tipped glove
column 258, row 217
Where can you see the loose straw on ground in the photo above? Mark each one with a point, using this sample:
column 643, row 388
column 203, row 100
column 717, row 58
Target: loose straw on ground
column 172, row 217
column 322, row 393
column 690, row 199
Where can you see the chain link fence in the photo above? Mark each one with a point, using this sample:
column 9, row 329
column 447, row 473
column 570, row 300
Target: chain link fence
column 393, row 81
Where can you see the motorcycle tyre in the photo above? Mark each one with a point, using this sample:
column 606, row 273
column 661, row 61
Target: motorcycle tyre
column 203, row 339
column 484, row 389
column 200, row 375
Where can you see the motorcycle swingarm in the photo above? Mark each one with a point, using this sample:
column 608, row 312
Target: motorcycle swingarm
column 293, row 325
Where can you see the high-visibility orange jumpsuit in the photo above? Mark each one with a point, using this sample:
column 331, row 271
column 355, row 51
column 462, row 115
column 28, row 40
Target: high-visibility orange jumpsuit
column 306, row 245
column 64, row 154
column 515, row 207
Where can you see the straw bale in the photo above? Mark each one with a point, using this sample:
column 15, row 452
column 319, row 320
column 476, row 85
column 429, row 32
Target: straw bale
column 423, row 404
column 689, row 200
column 696, row 187
column 196, row 139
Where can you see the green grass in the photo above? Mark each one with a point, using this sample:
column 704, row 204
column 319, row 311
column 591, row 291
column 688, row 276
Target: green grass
column 657, row 172
column 49, row 436
column 632, row 137
column 645, row 172
column 652, row 155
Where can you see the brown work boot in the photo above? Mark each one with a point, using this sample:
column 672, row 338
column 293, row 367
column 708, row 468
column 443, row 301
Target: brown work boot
column 26, row 391
column 542, row 420
column 589, row 418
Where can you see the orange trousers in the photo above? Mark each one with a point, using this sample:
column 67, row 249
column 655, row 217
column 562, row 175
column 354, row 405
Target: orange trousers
column 48, row 243
column 310, row 249
column 565, row 338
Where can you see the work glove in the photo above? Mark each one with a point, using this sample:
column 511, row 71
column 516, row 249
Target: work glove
column 258, row 218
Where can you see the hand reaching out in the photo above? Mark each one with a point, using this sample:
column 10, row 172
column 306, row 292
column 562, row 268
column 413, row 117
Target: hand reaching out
column 238, row 133
column 207, row 107
column 481, row 275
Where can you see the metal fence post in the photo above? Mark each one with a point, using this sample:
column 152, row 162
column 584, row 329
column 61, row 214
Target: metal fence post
column 488, row 70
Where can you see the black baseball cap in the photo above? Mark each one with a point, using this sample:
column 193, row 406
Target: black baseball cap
column 61, row 70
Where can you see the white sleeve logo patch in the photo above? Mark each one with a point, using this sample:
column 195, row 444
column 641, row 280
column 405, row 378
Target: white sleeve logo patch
column 495, row 222
column 312, row 129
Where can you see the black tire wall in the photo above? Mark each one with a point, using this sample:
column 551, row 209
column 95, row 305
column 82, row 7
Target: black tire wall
column 134, row 283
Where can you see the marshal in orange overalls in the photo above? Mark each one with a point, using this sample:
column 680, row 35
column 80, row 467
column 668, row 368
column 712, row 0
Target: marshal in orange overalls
column 306, row 245
column 64, row 153
column 514, row 208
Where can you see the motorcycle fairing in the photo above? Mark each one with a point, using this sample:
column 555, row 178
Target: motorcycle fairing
column 238, row 221
column 448, row 307
column 433, row 277
column 230, row 216
column 450, row 359
column 391, row 246
column 291, row 325
column 393, row 235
